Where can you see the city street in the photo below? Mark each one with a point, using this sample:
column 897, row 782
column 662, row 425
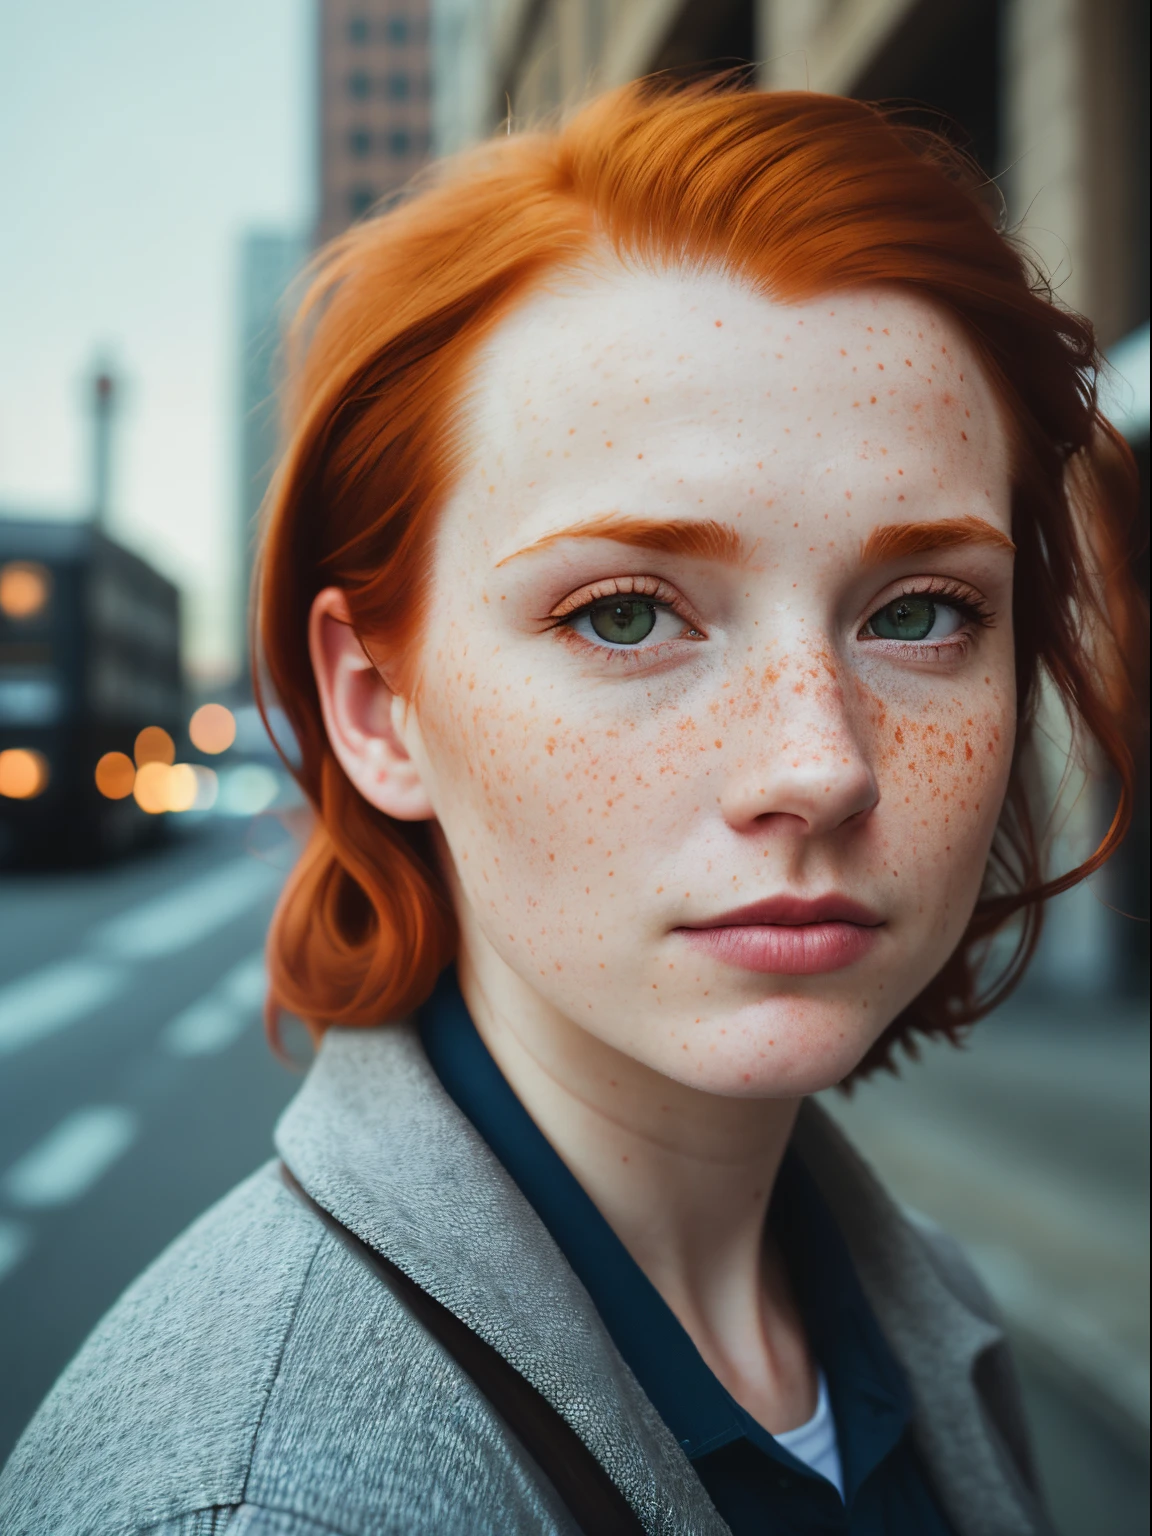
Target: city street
column 136, row 1086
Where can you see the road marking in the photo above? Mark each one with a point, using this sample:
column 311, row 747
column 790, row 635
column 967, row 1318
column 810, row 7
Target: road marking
column 214, row 1022
column 190, row 913
column 54, row 997
column 59, row 994
column 15, row 1241
column 71, row 1158
column 247, row 983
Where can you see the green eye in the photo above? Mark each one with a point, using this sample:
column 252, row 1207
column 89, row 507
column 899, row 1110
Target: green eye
column 908, row 618
column 623, row 620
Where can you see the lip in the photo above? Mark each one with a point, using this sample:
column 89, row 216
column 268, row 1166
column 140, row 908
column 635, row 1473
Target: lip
column 789, row 936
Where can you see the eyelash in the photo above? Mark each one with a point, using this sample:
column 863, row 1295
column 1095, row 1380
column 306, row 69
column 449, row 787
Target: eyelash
column 966, row 600
column 664, row 596
column 974, row 609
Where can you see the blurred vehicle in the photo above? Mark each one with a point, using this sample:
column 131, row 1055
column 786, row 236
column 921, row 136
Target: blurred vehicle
column 91, row 687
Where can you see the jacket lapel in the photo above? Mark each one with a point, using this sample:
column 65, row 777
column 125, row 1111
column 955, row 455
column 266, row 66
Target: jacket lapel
column 940, row 1326
column 374, row 1139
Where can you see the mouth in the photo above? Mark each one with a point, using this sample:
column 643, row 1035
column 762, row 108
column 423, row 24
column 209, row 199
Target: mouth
column 789, row 936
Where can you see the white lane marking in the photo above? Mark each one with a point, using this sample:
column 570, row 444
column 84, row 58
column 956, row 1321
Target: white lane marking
column 214, row 1022
column 246, row 984
column 15, row 1241
column 54, row 997
column 71, row 1158
column 187, row 915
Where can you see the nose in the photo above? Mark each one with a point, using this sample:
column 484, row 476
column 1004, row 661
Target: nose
column 804, row 759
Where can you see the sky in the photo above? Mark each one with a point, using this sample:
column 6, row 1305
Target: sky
column 139, row 140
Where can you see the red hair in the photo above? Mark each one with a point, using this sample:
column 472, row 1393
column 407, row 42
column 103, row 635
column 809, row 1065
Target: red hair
column 799, row 193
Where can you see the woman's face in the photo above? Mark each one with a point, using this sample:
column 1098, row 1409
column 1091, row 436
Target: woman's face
column 716, row 699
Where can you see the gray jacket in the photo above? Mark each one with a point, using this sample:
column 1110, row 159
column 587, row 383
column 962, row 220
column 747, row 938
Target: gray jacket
column 259, row 1379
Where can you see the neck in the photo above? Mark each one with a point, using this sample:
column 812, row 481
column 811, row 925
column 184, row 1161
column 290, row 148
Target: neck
column 683, row 1177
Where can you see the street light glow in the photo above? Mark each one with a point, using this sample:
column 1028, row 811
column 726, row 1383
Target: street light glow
column 23, row 773
column 154, row 745
column 150, row 788
column 25, row 588
column 115, row 775
column 212, row 728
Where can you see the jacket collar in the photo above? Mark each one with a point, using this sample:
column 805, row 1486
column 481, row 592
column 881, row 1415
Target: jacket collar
column 375, row 1139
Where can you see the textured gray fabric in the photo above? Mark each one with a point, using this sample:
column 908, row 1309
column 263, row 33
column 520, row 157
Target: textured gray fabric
column 259, row 1381
column 941, row 1324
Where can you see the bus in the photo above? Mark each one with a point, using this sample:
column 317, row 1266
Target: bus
column 89, row 657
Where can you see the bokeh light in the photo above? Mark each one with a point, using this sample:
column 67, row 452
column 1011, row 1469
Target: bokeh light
column 24, row 589
column 207, row 788
column 212, row 728
column 248, row 790
column 151, row 787
column 115, row 775
column 154, row 745
column 181, row 787
column 23, row 773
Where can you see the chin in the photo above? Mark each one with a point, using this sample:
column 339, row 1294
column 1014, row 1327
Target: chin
column 780, row 1048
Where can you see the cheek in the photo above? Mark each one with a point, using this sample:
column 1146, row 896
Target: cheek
column 942, row 765
column 540, row 808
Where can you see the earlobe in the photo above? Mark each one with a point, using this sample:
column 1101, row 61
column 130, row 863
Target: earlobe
column 369, row 727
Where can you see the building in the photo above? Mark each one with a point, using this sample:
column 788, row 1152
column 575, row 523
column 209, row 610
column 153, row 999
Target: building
column 1051, row 96
column 269, row 260
column 375, row 111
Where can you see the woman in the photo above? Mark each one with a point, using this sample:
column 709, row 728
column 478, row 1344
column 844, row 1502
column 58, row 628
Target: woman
column 679, row 513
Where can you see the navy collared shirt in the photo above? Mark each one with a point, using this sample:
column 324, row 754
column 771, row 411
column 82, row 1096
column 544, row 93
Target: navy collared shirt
column 754, row 1482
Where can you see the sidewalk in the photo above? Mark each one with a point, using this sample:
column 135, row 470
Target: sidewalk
column 1031, row 1146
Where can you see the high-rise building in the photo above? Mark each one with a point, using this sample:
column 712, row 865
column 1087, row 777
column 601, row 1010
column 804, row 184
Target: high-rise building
column 269, row 260
column 375, row 104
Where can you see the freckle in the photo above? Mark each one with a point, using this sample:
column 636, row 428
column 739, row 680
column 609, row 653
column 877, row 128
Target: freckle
column 899, row 498
column 872, row 400
column 639, row 455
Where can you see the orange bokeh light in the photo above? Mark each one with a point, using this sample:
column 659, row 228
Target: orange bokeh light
column 182, row 787
column 212, row 728
column 23, row 773
column 154, row 745
column 24, row 589
column 151, row 787
column 115, row 775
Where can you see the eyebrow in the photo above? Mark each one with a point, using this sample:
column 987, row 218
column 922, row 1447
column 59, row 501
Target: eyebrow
column 896, row 539
column 706, row 539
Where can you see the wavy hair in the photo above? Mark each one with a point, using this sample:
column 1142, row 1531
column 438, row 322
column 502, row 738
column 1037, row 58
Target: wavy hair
column 799, row 193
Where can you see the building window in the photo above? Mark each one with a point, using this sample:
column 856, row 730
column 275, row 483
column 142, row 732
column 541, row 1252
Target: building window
column 359, row 143
column 396, row 29
column 399, row 143
column 399, row 87
column 358, row 31
column 360, row 200
column 359, row 86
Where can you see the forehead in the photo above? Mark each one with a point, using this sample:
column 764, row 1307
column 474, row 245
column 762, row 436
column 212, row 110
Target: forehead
column 626, row 384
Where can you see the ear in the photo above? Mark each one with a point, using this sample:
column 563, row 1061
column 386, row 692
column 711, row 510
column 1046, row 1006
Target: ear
column 366, row 722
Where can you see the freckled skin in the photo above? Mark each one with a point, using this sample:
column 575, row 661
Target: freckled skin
column 589, row 804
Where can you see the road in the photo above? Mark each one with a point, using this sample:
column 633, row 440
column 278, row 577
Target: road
column 136, row 1087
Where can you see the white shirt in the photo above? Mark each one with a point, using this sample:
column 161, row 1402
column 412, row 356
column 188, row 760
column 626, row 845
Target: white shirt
column 815, row 1443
